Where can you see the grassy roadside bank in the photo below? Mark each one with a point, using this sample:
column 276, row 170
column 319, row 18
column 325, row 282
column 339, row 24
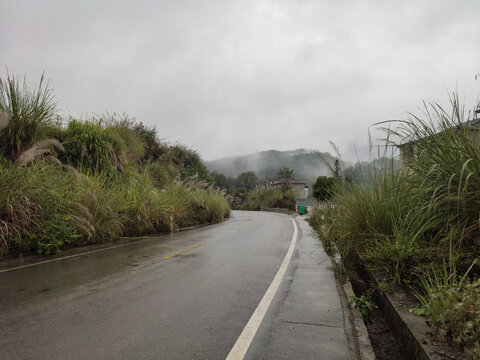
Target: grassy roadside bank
column 66, row 183
column 420, row 225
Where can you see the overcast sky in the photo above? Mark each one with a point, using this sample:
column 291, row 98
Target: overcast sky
column 236, row 77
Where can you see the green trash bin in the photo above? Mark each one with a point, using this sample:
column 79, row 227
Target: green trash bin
column 302, row 209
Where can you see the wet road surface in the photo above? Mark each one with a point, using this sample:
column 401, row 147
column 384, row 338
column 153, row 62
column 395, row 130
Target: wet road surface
column 181, row 296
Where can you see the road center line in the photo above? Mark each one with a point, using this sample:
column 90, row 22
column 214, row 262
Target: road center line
column 245, row 339
column 181, row 252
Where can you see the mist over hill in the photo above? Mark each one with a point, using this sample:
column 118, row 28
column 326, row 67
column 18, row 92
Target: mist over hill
column 307, row 164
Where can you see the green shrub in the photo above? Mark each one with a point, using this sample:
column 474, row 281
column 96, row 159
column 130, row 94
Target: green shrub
column 161, row 173
column 363, row 304
column 395, row 254
column 56, row 233
column 123, row 127
column 209, row 206
column 34, row 201
column 247, row 180
column 91, row 147
column 454, row 310
column 154, row 149
column 187, row 161
column 260, row 198
column 324, row 187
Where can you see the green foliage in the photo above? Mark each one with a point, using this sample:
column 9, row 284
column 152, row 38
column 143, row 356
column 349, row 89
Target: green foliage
column 89, row 146
column 316, row 219
column 364, row 172
column 44, row 208
column 56, row 232
column 394, row 254
column 337, row 171
column 221, row 181
column 384, row 287
column 187, row 161
column 417, row 311
column 129, row 142
column 33, row 201
column 115, row 178
column 154, row 149
column 28, row 113
column 161, row 173
column 324, row 187
column 454, row 309
column 420, row 224
column 260, row 198
column 247, row 180
column 98, row 205
column 285, row 172
column 210, row 206
column 363, row 304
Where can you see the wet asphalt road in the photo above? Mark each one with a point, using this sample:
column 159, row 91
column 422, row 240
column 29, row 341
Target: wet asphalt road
column 132, row 302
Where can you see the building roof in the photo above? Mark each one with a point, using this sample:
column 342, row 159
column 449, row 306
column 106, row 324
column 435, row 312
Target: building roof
column 473, row 125
column 287, row 181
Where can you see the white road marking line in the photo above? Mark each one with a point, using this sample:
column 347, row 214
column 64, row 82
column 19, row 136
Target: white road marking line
column 245, row 339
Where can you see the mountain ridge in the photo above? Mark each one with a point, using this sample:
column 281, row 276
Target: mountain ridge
column 307, row 164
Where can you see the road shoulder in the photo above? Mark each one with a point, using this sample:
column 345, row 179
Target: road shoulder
column 306, row 321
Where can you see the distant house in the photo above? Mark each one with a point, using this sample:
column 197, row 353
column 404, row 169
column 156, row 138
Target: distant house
column 409, row 149
column 300, row 187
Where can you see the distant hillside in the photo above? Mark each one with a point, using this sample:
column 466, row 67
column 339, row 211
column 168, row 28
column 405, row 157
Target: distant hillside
column 307, row 164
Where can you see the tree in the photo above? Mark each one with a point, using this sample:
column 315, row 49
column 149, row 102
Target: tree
column 323, row 188
column 247, row 180
column 221, row 180
column 153, row 147
column 285, row 172
column 337, row 170
column 187, row 160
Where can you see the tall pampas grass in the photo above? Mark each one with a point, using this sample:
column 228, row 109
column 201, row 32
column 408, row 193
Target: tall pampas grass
column 28, row 112
column 40, row 148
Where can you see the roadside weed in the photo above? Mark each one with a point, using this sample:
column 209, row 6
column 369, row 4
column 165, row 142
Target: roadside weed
column 363, row 304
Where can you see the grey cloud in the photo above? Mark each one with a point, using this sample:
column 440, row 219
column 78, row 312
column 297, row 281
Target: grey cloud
column 234, row 77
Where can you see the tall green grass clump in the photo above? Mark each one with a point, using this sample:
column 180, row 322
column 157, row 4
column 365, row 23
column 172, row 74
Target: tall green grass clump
column 35, row 209
column 422, row 220
column 123, row 127
column 92, row 147
column 25, row 115
column 208, row 206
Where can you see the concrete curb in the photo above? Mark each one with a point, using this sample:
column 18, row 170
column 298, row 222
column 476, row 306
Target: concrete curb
column 195, row 227
column 411, row 330
column 202, row 225
column 357, row 334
